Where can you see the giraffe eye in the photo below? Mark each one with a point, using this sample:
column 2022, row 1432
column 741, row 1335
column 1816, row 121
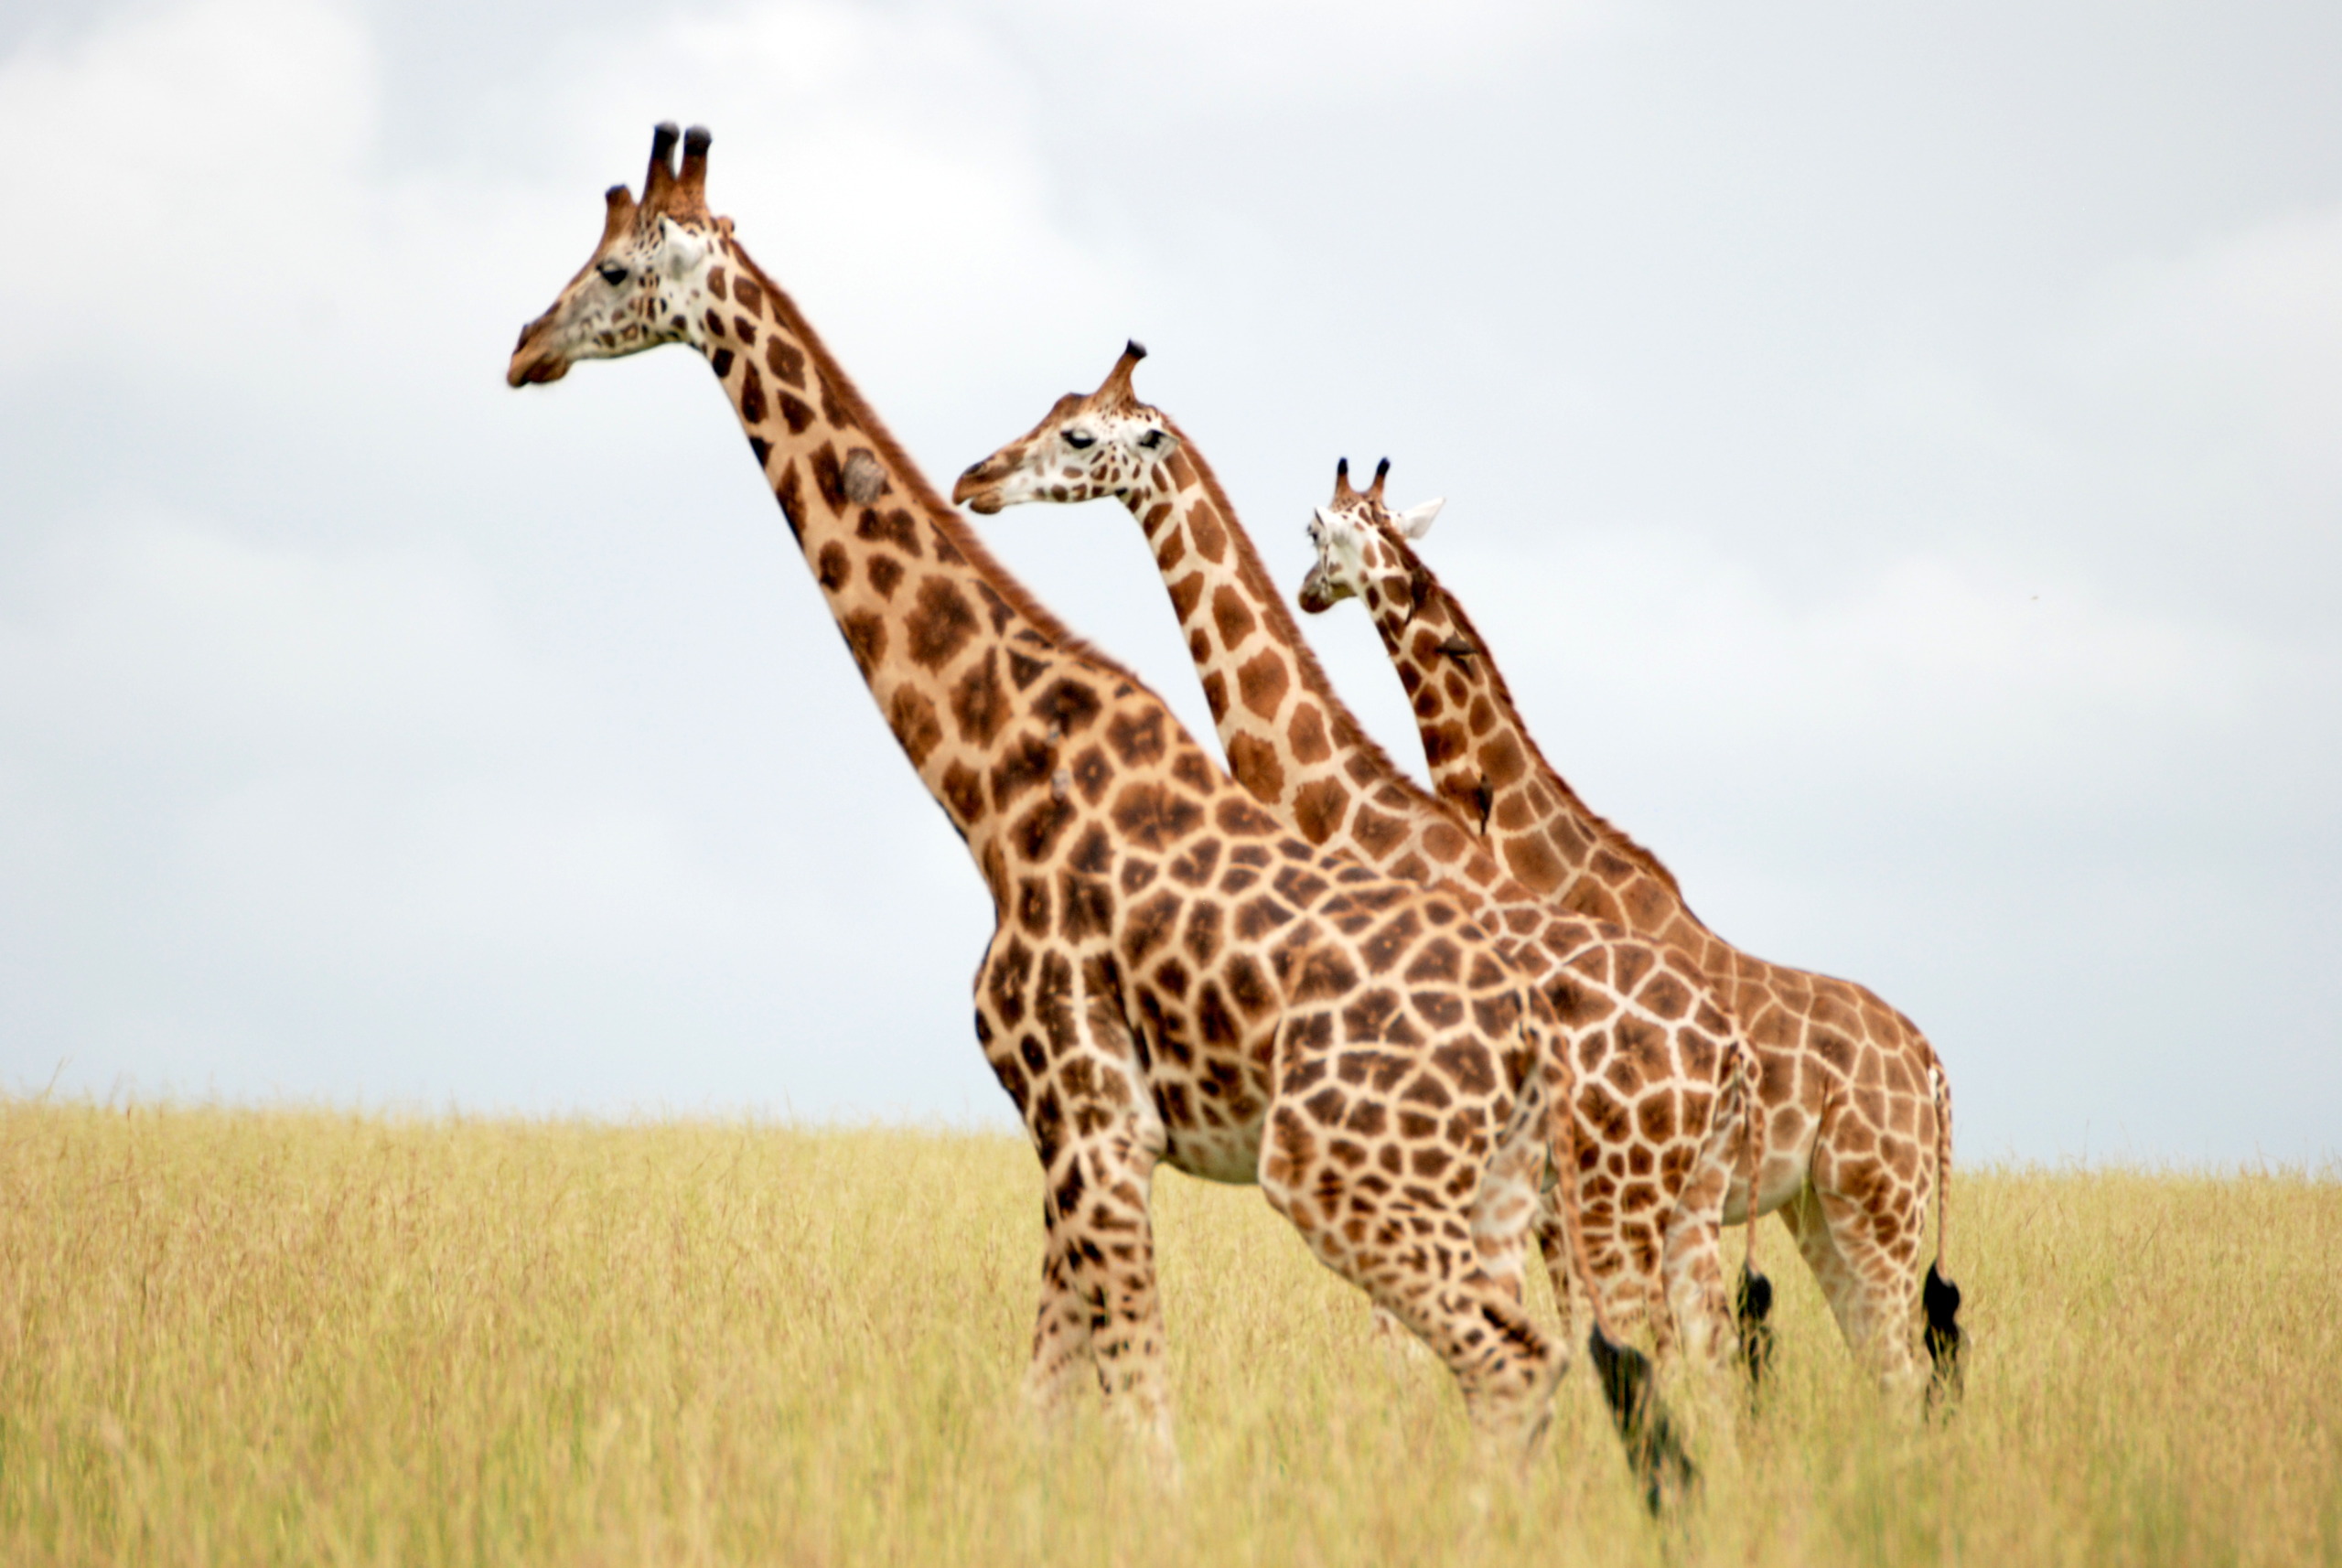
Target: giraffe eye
column 1081, row 440
column 613, row 273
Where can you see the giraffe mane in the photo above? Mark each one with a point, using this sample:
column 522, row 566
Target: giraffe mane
column 1281, row 626
column 1610, row 834
column 945, row 517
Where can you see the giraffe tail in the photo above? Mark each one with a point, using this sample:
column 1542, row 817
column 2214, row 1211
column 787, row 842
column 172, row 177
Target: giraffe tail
column 1654, row 1449
column 1755, row 1303
column 1939, row 1297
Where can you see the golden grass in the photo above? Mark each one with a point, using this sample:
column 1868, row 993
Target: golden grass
column 242, row 1337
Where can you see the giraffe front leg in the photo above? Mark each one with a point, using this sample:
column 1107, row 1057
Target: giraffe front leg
column 1062, row 1359
column 1100, row 1190
column 1051, row 1028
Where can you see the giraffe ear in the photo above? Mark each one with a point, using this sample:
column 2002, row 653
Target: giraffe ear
column 1415, row 522
column 1155, row 441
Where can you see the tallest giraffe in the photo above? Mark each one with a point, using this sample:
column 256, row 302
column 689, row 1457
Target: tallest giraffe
column 1173, row 979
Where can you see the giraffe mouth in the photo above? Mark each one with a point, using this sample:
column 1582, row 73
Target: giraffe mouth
column 975, row 493
column 538, row 372
column 1316, row 597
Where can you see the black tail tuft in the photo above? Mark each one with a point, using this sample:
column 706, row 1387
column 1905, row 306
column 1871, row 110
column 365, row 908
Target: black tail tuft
column 1653, row 1449
column 1940, row 1297
column 1755, row 1307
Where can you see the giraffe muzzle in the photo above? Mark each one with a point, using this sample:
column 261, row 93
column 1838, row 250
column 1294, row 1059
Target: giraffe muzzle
column 533, row 368
column 977, row 491
column 537, row 372
column 1317, row 596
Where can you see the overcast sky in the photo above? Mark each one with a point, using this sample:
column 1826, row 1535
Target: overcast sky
column 1896, row 453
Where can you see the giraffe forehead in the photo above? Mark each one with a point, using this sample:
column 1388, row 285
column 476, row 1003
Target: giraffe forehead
column 1342, row 538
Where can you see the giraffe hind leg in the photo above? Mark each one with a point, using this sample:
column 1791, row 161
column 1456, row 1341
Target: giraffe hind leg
column 1655, row 1450
column 1623, row 1259
column 1448, row 1267
column 1874, row 1289
column 1752, row 1307
column 1831, row 1271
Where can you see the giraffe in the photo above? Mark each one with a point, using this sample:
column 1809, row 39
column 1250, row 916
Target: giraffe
column 1666, row 1085
column 1174, row 978
column 1859, row 1107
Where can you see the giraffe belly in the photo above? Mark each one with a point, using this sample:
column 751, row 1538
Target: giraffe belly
column 1207, row 1062
column 1230, row 1155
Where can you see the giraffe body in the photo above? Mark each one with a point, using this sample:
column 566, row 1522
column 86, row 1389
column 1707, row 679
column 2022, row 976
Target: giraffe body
column 1857, row 1105
column 1664, row 1079
column 1174, row 978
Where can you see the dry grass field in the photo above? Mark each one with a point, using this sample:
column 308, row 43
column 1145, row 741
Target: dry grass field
column 287, row 1336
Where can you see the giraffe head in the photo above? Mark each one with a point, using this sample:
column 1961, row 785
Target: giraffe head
column 1085, row 448
column 1362, row 545
column 647, row 282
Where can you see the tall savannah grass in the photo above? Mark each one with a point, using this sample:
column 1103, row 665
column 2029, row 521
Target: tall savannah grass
column 247, row 1338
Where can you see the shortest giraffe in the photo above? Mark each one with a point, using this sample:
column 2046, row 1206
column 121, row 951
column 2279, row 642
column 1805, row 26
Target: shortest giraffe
column 1858, row 1106
column 1173, row 979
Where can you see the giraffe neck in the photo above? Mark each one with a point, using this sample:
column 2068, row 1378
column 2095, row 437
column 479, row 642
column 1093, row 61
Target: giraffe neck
column 1291, row 741
column 956, row 653
column 1484, row 763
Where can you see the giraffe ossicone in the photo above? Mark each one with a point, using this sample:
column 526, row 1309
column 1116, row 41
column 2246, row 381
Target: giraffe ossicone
column 1858, row 1104
column 1172, row 978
